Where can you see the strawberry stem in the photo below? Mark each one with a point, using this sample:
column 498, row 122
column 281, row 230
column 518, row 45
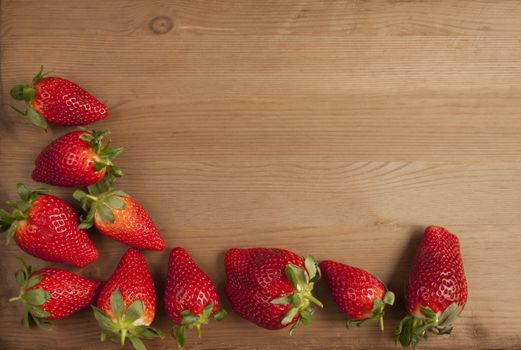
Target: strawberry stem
column 32, row 298
column 24, row 92
column 124, row 323
column 102, row 200
column 123, row 336
column 411, row 329
column 189, row 320
column 314, row 300
column 9, row 221
column 302, row 280
column 104, row 153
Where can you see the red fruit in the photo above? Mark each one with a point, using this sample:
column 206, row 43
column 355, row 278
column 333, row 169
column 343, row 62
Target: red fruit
column 127, row 302
column 271, row 287
column 58, row 101
column 46, row 227
column 437, row 287
column 52, row 293
column 120, row 217
column 190, row 296
column 358, row 293
column 78, row 158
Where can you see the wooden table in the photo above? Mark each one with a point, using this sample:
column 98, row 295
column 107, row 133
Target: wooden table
column 334, row 128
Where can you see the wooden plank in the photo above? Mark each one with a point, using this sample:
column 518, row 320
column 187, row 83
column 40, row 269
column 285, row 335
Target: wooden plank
column 374, row 17
column 314, row 193
column 295, row 89
column 338, row 129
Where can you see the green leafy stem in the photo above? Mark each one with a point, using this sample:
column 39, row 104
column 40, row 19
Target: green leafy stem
column 32, row 298
column 301, row 300
column 189, row 320
column 123, row 325
column 412, row 329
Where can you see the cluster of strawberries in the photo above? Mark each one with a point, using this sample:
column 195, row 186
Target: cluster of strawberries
column 270, row 287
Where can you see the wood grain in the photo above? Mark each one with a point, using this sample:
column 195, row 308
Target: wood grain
column 338, row 128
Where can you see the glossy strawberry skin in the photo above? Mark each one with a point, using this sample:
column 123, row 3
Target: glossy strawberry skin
column 187, row 287
column 51, row 233
column 437, row 278
column 132, row 226
column 132, row 278
column 254, row 277
column 353, row 289
column 69, row 293
column 67, row 161
column 62, row 102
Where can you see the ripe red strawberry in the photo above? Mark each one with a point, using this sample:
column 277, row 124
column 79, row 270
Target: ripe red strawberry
column 119, row 216
column 52, row 293
column 127, row 302
column 46, row 227
column 271, row 287
column 358, row 293
column 437, row 287
column 190, row 296
column 78, row 158
column 57, row 101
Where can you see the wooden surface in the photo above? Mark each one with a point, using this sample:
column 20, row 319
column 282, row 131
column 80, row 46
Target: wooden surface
column 334, row 128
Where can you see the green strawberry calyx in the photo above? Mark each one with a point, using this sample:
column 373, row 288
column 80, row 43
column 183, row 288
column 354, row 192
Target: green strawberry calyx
column 26, row 93
column 301, row 300
column 100, row 199
column 32, row 298
column 125, row 323
column 189, row 320
column 411, row 329
column 104, row 153
column 9, row 221
column 377, row 313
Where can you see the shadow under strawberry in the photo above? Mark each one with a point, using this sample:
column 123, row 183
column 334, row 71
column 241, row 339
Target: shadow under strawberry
column 399, row 276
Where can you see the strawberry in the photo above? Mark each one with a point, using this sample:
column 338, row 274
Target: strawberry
column 78, row 158
column 127, row 302
column 52, row 293
column 437, row 287
column 57, row 101
column 190, row 296
column 119, row 216
column 358, row 293
column 46, row 227
column 271, row 287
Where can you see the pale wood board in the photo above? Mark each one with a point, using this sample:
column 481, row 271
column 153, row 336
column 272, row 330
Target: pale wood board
column 334, row 128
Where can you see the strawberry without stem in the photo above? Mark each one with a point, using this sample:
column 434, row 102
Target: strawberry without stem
column 57, row 101
column 46, row 227
column 119, row 216
column 358, row 293
column 127, row 302
column 190, row 296
column 78, row 158
column 271, row 287
column 52, row 293
column 437, row 287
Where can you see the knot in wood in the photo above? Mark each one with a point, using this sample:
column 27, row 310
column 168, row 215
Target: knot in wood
column 161, row 24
